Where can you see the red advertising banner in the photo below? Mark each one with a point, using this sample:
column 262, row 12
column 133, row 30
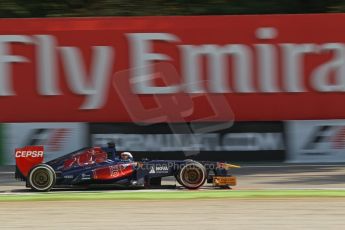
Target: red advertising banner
column 148, row 69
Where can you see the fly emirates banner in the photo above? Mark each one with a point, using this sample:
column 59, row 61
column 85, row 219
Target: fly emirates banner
column 157, row 69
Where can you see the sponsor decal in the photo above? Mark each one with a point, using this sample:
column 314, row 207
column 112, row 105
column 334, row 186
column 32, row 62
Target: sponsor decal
column 113, row 172
column 68, row 177
column 162, row 169
column 159, row 169
column 86, row 178
column 152, row 170
column 24, row 153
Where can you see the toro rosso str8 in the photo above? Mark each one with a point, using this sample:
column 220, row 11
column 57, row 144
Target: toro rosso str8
column 101, row 165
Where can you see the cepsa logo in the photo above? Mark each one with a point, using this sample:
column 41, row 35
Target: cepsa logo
column 23, row 153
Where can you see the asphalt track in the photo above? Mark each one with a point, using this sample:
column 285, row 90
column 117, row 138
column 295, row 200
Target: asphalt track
column 171, row 215
column 268, row 213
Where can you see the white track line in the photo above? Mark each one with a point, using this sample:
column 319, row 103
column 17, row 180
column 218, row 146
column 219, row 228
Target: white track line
column 163, row 190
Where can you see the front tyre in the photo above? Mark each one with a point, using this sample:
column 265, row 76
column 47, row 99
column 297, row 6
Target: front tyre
column 192, row 175
column 41, row 178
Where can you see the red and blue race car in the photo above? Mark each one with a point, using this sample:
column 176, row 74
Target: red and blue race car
column 102, row 165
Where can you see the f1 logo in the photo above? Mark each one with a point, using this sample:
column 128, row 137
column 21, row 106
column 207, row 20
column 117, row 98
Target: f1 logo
column 327, row 133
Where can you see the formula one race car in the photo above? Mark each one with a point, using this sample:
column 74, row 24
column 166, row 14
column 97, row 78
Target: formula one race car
column 97, row 165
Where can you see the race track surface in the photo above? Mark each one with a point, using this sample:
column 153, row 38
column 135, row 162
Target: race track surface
column 306, row 213
column 201, row 214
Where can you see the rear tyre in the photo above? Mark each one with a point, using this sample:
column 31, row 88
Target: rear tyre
column 41, row 178
column 192, row 175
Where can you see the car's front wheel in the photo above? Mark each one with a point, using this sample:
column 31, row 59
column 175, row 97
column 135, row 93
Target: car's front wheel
column 192, row 175
column 41, row 178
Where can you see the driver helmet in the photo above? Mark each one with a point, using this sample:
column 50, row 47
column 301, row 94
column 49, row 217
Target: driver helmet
column 126, row 156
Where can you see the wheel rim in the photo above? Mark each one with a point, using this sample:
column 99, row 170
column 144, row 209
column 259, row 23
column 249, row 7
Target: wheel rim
column 41, row 178
column 192, row 176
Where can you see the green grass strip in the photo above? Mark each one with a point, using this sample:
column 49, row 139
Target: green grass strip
column 170, row 195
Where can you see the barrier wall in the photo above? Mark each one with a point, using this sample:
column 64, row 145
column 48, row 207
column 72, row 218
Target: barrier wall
column 242, row 142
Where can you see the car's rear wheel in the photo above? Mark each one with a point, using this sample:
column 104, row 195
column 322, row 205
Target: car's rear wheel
column 192, row 175
column 41, row 178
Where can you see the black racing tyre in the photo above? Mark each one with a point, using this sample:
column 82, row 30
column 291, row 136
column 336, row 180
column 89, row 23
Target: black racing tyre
column 177, row 177
column 41, row 178
column 192, row 175
column 177, row 174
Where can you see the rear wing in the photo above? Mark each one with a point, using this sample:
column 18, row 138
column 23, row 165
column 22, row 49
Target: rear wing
column 27, row 158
